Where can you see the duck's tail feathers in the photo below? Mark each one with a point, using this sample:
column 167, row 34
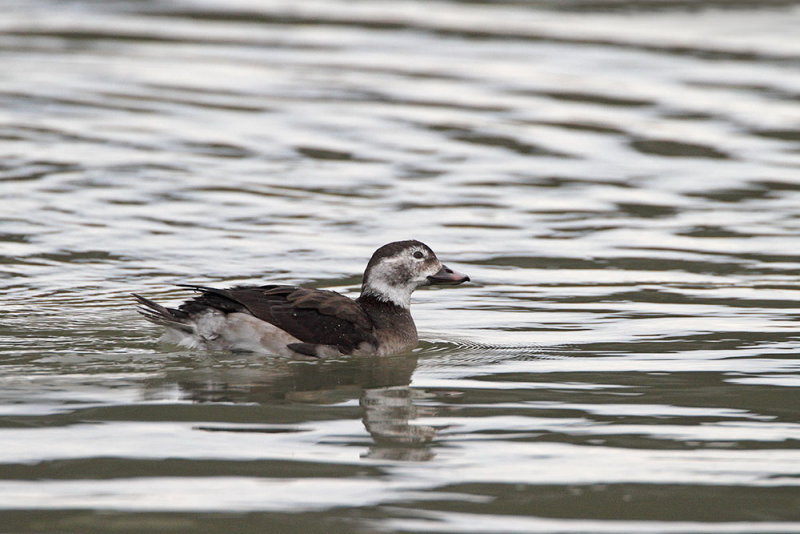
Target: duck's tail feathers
column 158, row 314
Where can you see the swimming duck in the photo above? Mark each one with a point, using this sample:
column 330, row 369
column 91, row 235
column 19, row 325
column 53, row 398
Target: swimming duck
column 301, row 322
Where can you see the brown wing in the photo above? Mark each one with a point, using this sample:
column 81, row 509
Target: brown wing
column 311, row 315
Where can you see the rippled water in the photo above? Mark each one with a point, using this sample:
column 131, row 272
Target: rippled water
column 621, row 180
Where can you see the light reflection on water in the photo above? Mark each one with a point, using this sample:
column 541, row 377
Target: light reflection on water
column 619, row 179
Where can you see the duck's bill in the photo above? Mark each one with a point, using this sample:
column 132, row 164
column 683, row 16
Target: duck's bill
column 447, row 276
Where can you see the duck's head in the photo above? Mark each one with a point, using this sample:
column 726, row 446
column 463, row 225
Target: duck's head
column 397, row 269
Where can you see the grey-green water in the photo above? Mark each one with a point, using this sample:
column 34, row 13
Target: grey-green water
column 621, row 180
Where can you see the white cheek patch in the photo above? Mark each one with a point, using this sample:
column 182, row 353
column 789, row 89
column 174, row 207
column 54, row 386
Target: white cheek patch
column 383, row 290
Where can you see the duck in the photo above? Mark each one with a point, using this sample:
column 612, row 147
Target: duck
column 303, row 323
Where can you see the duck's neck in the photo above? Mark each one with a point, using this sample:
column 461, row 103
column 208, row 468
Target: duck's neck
column 393, row 324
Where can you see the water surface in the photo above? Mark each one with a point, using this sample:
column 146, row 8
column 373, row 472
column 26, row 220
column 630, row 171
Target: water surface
column 621, row 180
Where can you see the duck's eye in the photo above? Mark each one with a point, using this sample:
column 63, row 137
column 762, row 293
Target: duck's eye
column 418, row 255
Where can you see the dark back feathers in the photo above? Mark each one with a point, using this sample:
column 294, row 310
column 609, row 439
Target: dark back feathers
column 311, row 315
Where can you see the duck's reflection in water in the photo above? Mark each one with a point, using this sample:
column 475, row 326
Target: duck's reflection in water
column 388, row 405
column 388, row 415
